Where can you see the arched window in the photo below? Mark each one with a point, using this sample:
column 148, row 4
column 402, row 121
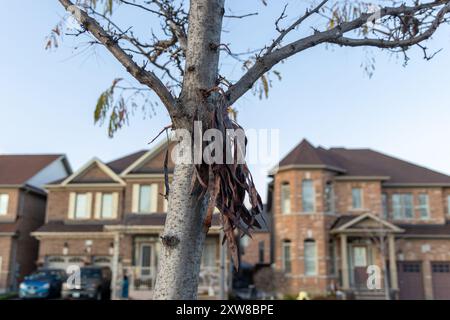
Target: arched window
column 310, row 253
column 286, row 256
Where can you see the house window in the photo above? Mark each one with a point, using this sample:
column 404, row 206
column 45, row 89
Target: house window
column 357, row 198
column 329, row 197
column 285, row 198
column 261, row 252
column 310, row 257
column 209, row 254
column 423, row 206
column 384, row 205
column 82, row 206
column 403, row 206
column 307, row 195
column 148, row 198
column 4, row 199
column 286, row 256
column 448, row 205
column 107, row 206
column 332, row 255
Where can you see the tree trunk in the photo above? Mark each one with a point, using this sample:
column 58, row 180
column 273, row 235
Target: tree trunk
column 183, row 240
column 184, row 236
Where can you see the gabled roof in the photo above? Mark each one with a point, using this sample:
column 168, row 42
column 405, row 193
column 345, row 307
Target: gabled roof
column 122, row 163
column 363, row 223
column 307, row 155
column 18, row 169
column 363, row 163
column 146, row 157
column 95, row 161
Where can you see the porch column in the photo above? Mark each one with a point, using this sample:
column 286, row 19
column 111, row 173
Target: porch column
column 392, row 262
column 344, row 262
column 115, row 266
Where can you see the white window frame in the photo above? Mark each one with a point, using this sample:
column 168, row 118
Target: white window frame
column 313, row 195
column 424, row 207
column 308, row 259
column 401, row 214
column 136, row 201
column 329, row 197
column 384, row 206
column 286, row 245
column 286, row 204
column 360, row 198
column 4, row 212
column 73, row 199
column 448, row 205
column 99, row 198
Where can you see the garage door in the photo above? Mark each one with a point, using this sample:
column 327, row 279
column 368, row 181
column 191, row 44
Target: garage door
column 62, row 262
column 441, row 280
column 102, row 261
column 410, row 280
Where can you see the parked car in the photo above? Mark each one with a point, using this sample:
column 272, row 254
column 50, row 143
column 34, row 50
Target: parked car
column 44, row 283
column 94, row 283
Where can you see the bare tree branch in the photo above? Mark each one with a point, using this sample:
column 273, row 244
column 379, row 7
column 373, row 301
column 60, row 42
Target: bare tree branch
column 336, row 35
column 283, row 34
column 143, row 76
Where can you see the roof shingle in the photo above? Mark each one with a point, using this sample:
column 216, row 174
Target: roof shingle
column 18, row 169
column 364, row 162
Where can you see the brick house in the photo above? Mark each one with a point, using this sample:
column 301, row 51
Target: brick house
column 113, row 214
column 22, row 210
column 338, row 211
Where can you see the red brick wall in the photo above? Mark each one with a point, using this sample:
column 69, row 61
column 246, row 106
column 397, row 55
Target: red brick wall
column 32, row 217
column 371, row 197
column 5, row 249
column 13, row 204
column 436, row 200
column 58, row 202
column 251, row 250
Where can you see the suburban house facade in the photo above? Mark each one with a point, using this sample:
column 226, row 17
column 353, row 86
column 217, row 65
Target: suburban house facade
column 22, row 211
column 112, row 214
column 342, row 215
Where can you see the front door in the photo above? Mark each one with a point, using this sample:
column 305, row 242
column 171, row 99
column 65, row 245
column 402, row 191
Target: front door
column 145, row 260
column 360, row 263
column 146, row 265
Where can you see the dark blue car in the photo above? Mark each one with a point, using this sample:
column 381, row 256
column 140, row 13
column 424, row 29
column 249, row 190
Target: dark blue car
column 44, row 283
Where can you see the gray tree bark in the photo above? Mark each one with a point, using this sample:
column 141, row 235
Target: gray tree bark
column 184, row 235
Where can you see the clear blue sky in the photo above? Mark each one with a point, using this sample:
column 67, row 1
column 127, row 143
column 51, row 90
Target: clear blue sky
column 47, row 98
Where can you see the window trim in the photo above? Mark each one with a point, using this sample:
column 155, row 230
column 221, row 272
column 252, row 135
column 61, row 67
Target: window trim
column 425, row 206
column 310, row 259
column 88, row 207
column 361, row 198
column 329, row 197
column 102, row 216
column 313, row 196
column 5, row 196
column 448, row 205
column 136, row 198
column 402, row 197
column 385, row 205
column 286, row 244
column 282, row 197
